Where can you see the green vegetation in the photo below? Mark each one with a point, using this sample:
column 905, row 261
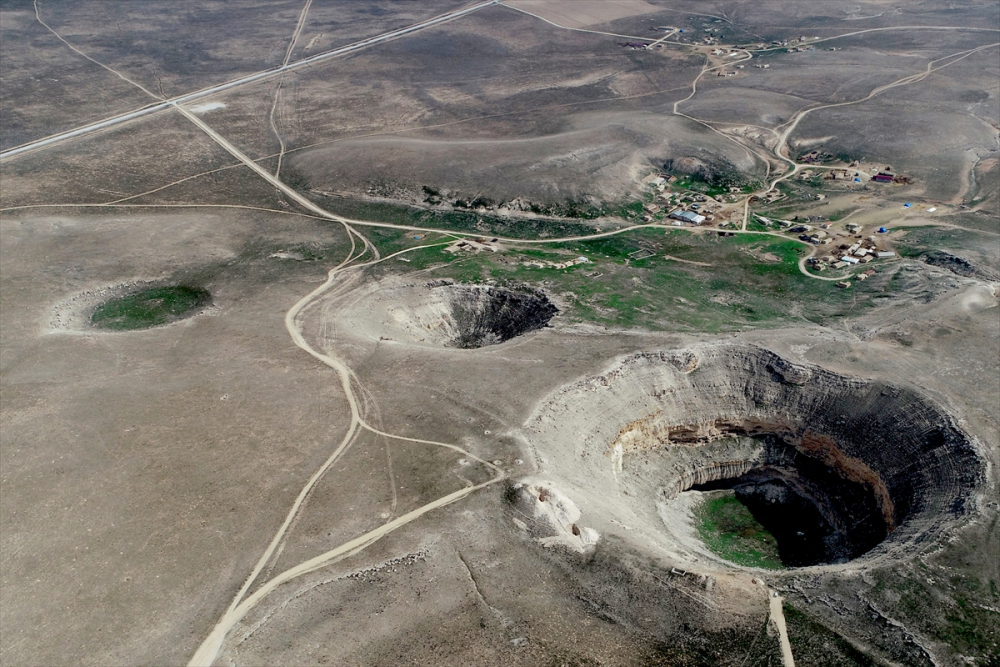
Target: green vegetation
column 847, row 157
column 729, row 529
column 969, row 244
column 726, row 283
column 966, row 621
column 733, row 647
column 459, row 221
column 719, row 185
column 630, row 210
column 389, row 241
column 149, row 308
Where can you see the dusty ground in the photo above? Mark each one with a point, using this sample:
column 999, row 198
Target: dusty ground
column 311, row 472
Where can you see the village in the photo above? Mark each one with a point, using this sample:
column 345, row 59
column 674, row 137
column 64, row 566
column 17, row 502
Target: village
column 837, row 246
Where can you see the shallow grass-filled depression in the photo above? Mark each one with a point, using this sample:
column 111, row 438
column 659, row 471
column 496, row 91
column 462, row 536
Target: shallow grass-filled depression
column 150, row 307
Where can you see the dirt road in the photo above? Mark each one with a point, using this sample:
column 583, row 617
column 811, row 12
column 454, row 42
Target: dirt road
column 205, row 92
column 209, row 649
column 778, row 618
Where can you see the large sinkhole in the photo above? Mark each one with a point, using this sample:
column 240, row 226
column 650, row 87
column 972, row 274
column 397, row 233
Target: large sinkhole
column 834, row 467
column 815, row 512
column 443, row 313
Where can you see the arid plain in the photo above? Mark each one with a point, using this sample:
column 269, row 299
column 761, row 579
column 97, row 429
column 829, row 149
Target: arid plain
column 533, row 332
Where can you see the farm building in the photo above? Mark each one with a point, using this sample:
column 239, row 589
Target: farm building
column 687, row 216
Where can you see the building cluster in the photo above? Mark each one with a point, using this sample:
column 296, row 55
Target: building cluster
column 692, row 208
column 846, row 255
column 697, row 208
column 874, row 175
column 768, row 222
column 815, row 157
column 816, row 237
column 688, row 216
column 768, row 197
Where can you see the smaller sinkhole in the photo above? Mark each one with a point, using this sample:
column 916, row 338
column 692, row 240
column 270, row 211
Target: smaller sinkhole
column 491, row 315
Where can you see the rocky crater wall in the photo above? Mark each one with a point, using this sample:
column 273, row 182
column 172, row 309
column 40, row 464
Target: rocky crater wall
column 877, row 461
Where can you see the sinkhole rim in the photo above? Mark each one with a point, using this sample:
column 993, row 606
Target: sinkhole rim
column 654, row 413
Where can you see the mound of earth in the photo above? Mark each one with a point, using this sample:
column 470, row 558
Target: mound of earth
column 836, row 467
column 447, row 314
column 687, row 165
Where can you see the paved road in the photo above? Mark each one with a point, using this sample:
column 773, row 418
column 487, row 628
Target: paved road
column 189, row 97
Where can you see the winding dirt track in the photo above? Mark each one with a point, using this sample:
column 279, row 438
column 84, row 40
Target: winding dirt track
column 781, row 148
column 38, row 17
column 208, row 651
column 240, row 605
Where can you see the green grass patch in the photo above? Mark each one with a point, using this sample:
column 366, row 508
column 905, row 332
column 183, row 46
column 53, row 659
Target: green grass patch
column 729, row 529
column 729, row 283
column 149, row 308
column 965, row 622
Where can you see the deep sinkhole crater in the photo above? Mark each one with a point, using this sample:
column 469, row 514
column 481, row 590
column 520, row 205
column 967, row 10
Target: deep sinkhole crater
column 490, row 315
column 443, row 313
column 835, row 467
